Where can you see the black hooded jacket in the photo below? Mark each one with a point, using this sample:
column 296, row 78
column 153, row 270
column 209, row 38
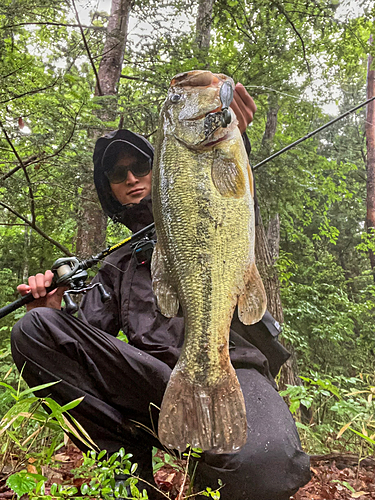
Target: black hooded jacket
column 133, row 307
column 132, row 217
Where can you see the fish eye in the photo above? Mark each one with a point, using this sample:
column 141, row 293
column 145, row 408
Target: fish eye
column 175, row 98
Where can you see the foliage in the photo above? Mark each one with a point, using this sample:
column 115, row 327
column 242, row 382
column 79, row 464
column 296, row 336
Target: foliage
column 298, row 58
column 33, row 425
column 97, row 472
column 342, row 411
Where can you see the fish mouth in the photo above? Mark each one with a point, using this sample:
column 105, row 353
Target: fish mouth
column 225, row 137
column 211, row 141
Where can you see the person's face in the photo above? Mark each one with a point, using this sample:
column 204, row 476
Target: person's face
column 132, row 189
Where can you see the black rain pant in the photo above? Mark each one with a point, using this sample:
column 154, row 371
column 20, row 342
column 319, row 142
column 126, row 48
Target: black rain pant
column 118, row 382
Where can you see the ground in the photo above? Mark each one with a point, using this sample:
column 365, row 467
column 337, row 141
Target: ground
column 334, row 477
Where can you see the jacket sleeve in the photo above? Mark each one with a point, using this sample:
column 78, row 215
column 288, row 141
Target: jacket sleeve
column 102, row 315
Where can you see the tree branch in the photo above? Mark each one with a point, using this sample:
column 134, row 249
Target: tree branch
column 26, row 162
column 52, row 24
column 38, row 230
column 137, row 78
column 31, row 194
column 281, row 9
column 35, row 91
column 87, row 48
column 31, row 161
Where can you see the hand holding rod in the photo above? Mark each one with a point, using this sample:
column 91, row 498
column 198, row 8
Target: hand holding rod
column 22, row 301
column 70, row 271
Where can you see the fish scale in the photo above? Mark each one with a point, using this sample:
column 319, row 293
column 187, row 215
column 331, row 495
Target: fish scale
column 203, row 262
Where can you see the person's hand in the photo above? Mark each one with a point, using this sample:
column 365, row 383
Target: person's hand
column 243, row 106
column 37, row 286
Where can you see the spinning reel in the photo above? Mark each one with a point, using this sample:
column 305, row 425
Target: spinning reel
column 71, row 272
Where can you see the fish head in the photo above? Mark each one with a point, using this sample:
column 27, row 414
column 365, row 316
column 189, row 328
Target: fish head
column 192, row 110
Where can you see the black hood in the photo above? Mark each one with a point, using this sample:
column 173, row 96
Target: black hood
column 134, row 217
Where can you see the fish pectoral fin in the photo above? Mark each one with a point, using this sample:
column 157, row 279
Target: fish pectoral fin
column 165, row 293
column 228, row 177
column 252, row 301
column 203, row 416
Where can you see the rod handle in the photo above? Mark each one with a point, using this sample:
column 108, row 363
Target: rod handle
column 26, row 299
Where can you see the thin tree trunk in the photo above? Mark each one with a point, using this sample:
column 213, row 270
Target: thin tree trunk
column 271, row 124
column 267, row 246
column 203, row 30
column 92, row 222
column 267, row 252
column 265, row 264
column 370, row 143
column 27, row 243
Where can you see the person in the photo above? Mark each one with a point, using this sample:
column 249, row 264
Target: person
column 119, row 381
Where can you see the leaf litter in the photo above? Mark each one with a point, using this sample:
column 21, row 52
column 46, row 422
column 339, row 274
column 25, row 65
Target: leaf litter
column 338, row 477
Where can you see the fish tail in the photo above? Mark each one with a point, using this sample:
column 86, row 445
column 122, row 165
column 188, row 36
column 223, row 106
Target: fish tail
column 207, row 417
column 252, row 302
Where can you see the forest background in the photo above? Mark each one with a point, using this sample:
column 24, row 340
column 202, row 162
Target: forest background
column 303, row 62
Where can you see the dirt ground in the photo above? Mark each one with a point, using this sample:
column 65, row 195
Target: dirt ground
column 334, row 477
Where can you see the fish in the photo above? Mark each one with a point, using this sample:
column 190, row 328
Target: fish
column 203, row 264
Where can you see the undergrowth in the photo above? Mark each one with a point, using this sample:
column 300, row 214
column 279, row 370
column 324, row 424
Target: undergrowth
column 32, row 431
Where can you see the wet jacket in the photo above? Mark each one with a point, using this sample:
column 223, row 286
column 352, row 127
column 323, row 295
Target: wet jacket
column 133, row 307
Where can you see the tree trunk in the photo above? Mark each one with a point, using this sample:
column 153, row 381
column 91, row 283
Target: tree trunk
column 271, row 124
column 203, row 30
column 265, row 264
column 370, row 164
column 267, row 246
column 92, row 222
column 267, row 251
column 27, row 244
column 113, row 53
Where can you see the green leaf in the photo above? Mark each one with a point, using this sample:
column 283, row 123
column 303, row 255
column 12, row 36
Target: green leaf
column 22, row 482
column 294, row 406
column 36, row 388
column 72, row 404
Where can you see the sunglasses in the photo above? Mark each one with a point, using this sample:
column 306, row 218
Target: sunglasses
column 119, row 173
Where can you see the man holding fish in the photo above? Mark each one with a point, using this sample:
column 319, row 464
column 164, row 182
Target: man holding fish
column 200, row 346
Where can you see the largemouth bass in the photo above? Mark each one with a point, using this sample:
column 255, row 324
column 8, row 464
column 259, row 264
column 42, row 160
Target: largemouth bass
column 203, row 261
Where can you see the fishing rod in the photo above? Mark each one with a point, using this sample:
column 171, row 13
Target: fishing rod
column 71, row 271
column 260, row 164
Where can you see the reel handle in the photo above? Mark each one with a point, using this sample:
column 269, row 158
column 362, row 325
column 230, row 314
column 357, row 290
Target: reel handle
column 104, row 295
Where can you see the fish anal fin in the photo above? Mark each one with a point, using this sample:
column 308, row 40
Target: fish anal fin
column 228, row 177
column 164, row 291
column 207, row 417
column 252, row 301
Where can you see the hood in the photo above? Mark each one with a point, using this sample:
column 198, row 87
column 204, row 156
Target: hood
column 136, row 216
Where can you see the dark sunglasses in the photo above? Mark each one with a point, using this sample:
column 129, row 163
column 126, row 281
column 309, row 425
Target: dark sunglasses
column 118, row 174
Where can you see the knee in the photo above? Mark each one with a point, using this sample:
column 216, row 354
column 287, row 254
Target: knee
column 274, row 471
column 31, row 322
column 32, row 330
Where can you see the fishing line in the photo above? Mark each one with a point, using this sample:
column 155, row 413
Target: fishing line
column 260, row 164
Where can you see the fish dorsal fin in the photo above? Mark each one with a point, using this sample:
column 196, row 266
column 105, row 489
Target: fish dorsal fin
column 227, row 176
column 252, row 301
column 164, row 291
